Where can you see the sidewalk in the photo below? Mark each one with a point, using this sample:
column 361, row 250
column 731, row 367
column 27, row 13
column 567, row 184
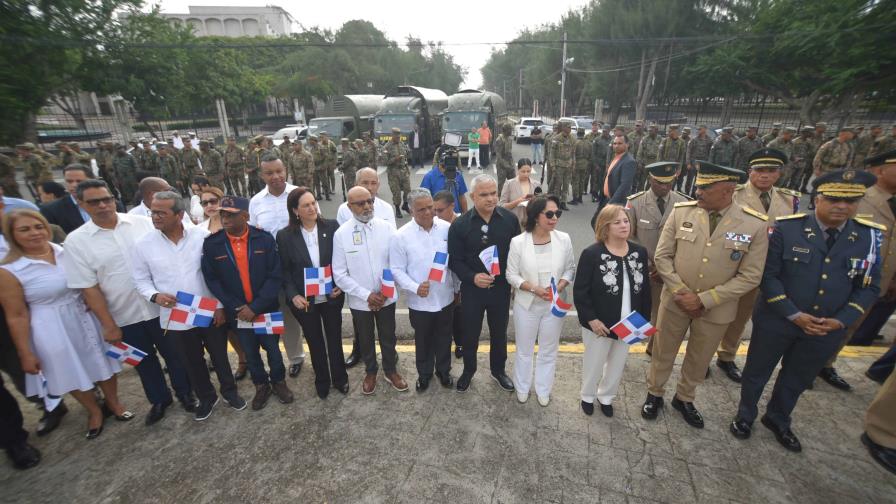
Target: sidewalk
column 441, row 446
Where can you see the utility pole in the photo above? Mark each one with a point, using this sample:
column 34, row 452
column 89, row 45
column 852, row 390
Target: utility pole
column 519, row 103
column 563, row 80
column 505, row 88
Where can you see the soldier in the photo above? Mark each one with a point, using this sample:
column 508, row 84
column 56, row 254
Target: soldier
column 148, row 160
column 864, row 144
column 235, row 168
column 784, row 143
column 634, row 139
column 395, row 157
column 320, row 174
column 372, row 150
column 563, row 159
column 745, row 148
column 212, row 164
column 300, row 165
column 66, row 156
column 105, row 155
column 673, row 148
column 504, row 167
column 125, row 167
column 8, row 177
column 648, row 150
column 349, row 164
column 698, row 150
column 835, row 154
column 190, row 163
column 35, row 168
column 686, row 134
column 548, row 138
column 819, row 137
column 79, row 155
column 599, row 154
column 773, row 134
column 880, row 426
column 593, row 135
column 330, row 156
column 731, row 242
column 285, row 146
column 647, row 212
column 722, row 151
column 363, row 156
column 884, row 143
column 583, row 168
column 815, row 285
column 760, row 194
column 169, row 167
column 803, row 154
column 254, row 152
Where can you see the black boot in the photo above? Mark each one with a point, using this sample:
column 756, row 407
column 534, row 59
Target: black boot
column 355, row 356
column 397, row 212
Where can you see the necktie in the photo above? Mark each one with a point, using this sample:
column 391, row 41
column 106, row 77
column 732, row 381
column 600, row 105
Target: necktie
column 661, row 204
column 832, row 236
column 766, row 200
column 892, row 202
column 714, row 218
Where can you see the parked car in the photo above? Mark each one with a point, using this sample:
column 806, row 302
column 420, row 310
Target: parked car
column 293, row 131
column 526, row 125
column 583, row 122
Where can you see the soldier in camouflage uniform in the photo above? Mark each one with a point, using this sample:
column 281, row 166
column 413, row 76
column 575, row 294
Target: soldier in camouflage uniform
column 149, row 160
column 349, row 166
column 363, row 156
column 235, row 168
column 635, row 137
column 285, row 147
column 125, row 167
column 103, row 156
column 801, row 161
column 784, row 143
column 594, row 134
column 722, row 151
column 212, row 164
column 169, row 167
column 648, row 153
column 884, row 143
column 673, row 148
column 864, row 144
column 698, row 150
column 819, row 137
column 836, row 154
column 395, row 157
column 773, row 134
column 546, row 171
column 8, row 177
column 300, row 165
column 686, row 134
column 583, row 168
column 254, row 152
column 563, row 160
column 35, row 168
column 372, row 150
column 330, row 156
column 66, row 156
column 190, row 164
column 504, row 167
column 79, row 155
column 599, row 151
column 745, row 148
column 320, row 174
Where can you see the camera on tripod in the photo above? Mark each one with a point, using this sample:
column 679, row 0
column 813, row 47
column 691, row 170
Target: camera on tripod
column 449, row 156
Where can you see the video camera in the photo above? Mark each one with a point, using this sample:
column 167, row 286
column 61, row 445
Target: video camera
column 448, row 154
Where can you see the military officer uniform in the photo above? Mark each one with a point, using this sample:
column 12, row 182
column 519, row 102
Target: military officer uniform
column 395, row 157
column 716, row 255
column 583, row 169
column 774, row 203
column 698, row 150
column 349, row 166
column 745, row 148
column 300, row 164
column 190, row 165
column 825, row 272
column 722, row 151
column 212, row 164
column 563, row 159
column 833, row 155
column 235, row 168
column 504, row 167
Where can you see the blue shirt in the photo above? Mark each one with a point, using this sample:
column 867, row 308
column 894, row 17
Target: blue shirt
column 435, row 182
column 16, row 204
column 84, row 214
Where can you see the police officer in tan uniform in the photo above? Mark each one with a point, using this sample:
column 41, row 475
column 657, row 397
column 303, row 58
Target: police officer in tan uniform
column 760, row 194
column 880, row 426
column 648, row 211
column 710, row 253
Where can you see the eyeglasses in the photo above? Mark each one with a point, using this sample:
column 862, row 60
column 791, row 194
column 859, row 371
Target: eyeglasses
column 100, row 201
column 550, row 214
column 363, row 202
column 213, row 201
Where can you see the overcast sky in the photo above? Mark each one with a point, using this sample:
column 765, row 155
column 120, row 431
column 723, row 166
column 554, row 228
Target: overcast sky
column 450, row 22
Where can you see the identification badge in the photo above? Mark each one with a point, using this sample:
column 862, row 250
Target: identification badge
column 644, row 221
column 356, row 237
column 736, row 255
column 689, row 230
column 801, row 250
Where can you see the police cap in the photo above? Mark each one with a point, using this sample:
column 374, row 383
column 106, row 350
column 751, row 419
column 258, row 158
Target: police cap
column 663, row 171
column 710, row 173
column 884, row 158
column 767, row 158
column 849, row 184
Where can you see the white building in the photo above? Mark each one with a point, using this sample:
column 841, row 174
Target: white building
column 235, row 21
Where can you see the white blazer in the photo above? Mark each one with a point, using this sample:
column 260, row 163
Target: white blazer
column 522, row 267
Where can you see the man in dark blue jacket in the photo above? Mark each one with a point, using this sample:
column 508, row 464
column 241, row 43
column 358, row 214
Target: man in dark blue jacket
column 241, row 268
column 821, row 273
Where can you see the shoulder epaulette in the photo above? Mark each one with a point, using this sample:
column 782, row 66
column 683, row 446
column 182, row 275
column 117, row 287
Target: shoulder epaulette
column 738, row 187
column 789, row 192
column 869, row 223
column 756, row 214
column 685, row 203
column 633, row 196
column 682, row 195
column 866, row 216
column 791, row 216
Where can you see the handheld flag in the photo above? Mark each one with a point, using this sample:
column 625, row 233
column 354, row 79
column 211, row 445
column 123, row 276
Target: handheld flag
column 559, row 307
column 439, row 265
column 196, row 311
column 266, row 323
column 633, row 328
column 388, row 286
column 125, row 353
column 489, row 258
column 318, row 281
column 50, row 401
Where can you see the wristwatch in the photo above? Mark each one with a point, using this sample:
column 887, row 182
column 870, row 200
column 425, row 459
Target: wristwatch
column 152, row 299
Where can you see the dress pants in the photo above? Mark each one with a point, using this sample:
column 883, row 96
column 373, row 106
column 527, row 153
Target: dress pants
column 484, row 154
column 495, row 303
column 432, row 340
column 457, row 324
column 877, row 317
column 252, row 344
column 417, row 157
column 880, row 420
column 704, row 341
column 656, row 288
column 882, row 368
column 292, row 334
column 384, row 321
column 602, row 366
column 801, row 356
column 11, row 431
column 191, row 346
column 322, row 325
column 731, row 340
column 532, row 324
column 148, row 337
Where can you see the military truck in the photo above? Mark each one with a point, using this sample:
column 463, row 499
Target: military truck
column 469, row 108
column 346, row 116
column 405, row 106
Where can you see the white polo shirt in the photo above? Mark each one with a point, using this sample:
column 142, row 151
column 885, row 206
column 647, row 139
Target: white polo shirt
column 381, row 210
column 269, row 212
column 360, row 254
column 410, row 258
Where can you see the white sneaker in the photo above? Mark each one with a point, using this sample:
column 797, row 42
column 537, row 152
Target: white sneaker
column 544, row 400
column 521, row 397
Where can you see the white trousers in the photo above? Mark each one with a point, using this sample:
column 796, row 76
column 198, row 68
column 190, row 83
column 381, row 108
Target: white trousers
column 530, row 325
column 474, row 154
column 602, row 366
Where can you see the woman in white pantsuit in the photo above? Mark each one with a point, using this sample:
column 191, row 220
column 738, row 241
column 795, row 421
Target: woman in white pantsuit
column 612, row 283
column 536, row 256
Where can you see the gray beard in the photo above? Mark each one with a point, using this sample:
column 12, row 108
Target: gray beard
column 364, row 219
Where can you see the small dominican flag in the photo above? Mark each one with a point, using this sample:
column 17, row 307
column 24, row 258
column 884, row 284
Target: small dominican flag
column 318, row 281
column 196, row 311
column 633, row 328
column 559, row 307
column 266, row 323
column 388, row 285
column 50, row 401
column 439, row 265
column 489, row 258
column 123, row 352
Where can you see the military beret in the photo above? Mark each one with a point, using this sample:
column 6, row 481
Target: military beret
column 663, row 171
column 673, row 126
column 881, row 159
column 777, row 125
column 767, row 158
column 790, row 129
column 710, row 173
column 234, row 204
column 344, row 140
column 843, row 183
column 395, row 130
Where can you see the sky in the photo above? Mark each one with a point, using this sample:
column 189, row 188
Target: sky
column 489, row 21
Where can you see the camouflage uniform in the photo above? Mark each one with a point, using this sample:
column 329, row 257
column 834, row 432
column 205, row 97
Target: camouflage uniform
column 150, row 162
column 786, row 148
column 253, row 164
column 349, row 167
column 863, row 145
column 395, row 157
column 125, row 167
column 599, row 150
column 563, row 158
column 235, row 170
column 363, row 156
column 635, row 138
column 648, row 153
column 329, row 164
column 320, row 174
column 583, row 168
column 698, row 150
column 803, row 153
column 722, row 152
column 767, row 139
column 213, row 166
column 744, row 149
column 883, row 143
column 504, row 168
column 190, row 162
column 300, row 165
column 372, row 154
column 169, row 169
column 8, row 177
column 833, row 155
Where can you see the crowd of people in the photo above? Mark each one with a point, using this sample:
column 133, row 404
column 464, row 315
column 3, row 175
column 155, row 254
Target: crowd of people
column 272, row 263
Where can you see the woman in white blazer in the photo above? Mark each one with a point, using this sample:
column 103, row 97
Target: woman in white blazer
column 537, row 256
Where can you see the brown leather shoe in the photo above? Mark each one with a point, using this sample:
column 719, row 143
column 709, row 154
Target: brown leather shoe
column 282, row 392
column 369, row 385
column 396, row 381
column 262, row 394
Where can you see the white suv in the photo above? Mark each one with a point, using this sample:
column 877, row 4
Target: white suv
column 526, row 125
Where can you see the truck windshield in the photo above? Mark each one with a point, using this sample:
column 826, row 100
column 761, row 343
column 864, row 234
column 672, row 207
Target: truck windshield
column 462, row 121
column 385, row 123
column 331, row 126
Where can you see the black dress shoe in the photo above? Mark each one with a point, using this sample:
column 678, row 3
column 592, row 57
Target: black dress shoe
column 157, row 412
column 95, row 433
column 874, row 378
column 445, row 379
column 405, row 207
column 51, row 419
column 606, row 409
column 353, row 359
column 652, row 406
column 458, row 351
column 503, row 381
column 23, row 455
column 881, row 454
column 322, row 392
column 731, row 370
column 688, row 412
column 830, row 375
column 422, row 384
column 343, row 389
column 295, row 369
column 784, row 436
column 189, row 402
column 241, row 371
column 588, row 408
column 463, row 383
column 740, row 428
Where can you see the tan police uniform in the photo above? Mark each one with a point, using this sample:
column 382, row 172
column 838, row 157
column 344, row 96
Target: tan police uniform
column 880, row 419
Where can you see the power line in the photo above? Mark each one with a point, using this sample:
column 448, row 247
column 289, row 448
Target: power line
column 662, row 59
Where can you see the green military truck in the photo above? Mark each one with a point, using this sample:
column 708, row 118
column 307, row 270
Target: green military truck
column 346, row 116
column 405, row 106
column 468, row 109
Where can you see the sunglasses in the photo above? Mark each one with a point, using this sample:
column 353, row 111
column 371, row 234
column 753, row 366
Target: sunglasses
column 550, row 214
column 100, row 201
column 213, row 201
